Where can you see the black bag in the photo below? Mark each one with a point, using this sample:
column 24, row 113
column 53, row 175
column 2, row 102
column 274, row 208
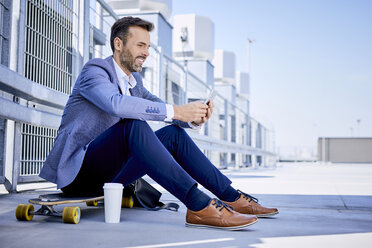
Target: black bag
column 146, row 196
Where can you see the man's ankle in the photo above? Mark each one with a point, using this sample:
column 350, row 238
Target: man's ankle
column 196, row 199
column 230, row 194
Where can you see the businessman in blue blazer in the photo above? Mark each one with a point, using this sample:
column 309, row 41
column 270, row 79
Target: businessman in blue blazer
column 104, row 137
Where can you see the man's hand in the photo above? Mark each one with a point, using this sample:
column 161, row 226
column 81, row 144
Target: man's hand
column 190, row 112
column 196, row 112
column 208, row 115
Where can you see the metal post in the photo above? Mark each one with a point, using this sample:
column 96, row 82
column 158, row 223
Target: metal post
column 86, row 32
column 323, row 150
column 75, row 55
column 16, row 157
column 185, row 100
column 226, row 134
column 21, row 38
column 160, row 76
column 226, row 119
column 247, row 126
column 2, row 149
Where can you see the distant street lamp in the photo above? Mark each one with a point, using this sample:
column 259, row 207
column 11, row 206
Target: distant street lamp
column 358, row 131
column 250, row 41
column 184, row 39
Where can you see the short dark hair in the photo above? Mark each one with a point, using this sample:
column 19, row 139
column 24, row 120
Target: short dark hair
column 121, row 27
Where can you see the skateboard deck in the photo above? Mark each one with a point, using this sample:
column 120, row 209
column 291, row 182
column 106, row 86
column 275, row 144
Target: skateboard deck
column 69, row 214
column 58, row 199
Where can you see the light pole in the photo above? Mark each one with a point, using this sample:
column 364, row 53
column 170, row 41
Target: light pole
column 315, row 152
column 184, row 40
column 250, row 41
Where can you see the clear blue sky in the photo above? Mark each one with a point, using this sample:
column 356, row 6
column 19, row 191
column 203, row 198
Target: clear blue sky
column 311, row 64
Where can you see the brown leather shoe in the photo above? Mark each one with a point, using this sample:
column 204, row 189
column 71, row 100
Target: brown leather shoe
column 247, row 204
column 218, row 215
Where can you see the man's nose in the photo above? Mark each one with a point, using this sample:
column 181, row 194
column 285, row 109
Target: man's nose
column 146, row 52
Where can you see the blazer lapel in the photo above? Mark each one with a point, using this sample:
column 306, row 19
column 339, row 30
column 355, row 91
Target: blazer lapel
column 134, row 91
column 115, row 77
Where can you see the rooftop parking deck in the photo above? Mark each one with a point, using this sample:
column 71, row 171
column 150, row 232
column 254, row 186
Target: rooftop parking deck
column 321, row 205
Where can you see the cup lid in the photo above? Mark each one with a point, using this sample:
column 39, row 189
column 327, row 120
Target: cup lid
column 113, row 186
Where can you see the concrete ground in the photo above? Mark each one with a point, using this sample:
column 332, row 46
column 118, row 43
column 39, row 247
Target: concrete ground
column 321, row 205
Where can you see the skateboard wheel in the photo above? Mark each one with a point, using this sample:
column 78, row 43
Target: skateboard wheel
column 92, row 203
column 71, row 215
column 127, row 202
column 23, row 212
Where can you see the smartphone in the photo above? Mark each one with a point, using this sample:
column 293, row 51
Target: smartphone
column 210, row 97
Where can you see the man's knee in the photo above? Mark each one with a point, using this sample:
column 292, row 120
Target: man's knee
column 133, row 121
column 175, row 131
column 136, row 124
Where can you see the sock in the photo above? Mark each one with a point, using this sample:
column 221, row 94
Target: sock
column 196, row 199
column 229, row 195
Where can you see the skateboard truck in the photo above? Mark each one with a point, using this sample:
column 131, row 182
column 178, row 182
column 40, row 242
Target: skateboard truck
column 46, row 210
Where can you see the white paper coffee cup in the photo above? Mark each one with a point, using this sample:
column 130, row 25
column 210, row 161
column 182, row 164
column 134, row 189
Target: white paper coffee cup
column 113, row 195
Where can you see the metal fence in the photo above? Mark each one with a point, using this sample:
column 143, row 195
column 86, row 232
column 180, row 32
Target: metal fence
column 5, row 14
column 53, row 42
column 36, row 145
column 5, row 7
column 49, row 43
column 48, row 60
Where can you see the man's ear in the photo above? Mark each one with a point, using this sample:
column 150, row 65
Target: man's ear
column 118, row 44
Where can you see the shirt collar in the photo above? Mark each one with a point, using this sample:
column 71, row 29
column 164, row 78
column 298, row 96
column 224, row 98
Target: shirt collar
column 124, row 77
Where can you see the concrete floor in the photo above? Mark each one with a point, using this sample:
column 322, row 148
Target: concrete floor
column 321, row 205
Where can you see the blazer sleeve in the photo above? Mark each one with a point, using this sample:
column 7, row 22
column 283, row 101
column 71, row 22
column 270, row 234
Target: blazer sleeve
column 97, row 87
column 147, row 95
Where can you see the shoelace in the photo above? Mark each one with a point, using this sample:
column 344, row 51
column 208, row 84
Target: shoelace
column 221, row 205
column 248, row 197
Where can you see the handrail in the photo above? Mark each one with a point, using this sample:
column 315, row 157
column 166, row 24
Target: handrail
column 208, row 143
column 17, row 112
column 18, row 85
column 108, row 9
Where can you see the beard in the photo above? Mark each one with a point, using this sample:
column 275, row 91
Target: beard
column 129, row 62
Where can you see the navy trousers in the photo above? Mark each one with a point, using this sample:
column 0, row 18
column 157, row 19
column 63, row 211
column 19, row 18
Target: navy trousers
column 130, row 149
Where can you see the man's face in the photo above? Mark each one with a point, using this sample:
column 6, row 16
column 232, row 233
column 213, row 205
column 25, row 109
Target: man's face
column 136, row 50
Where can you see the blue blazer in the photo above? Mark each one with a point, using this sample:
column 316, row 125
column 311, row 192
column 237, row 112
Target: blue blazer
column 95, row 104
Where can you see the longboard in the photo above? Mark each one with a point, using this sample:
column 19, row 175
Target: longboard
column 69, row 214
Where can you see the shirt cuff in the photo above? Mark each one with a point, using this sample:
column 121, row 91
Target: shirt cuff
column 170, row 113
column 195, row 126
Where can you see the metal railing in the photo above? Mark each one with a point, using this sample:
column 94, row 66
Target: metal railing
column 49, row 55
column 5, row 20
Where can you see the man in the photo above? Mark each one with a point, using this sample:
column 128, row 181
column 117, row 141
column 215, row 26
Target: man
column 104, row 137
